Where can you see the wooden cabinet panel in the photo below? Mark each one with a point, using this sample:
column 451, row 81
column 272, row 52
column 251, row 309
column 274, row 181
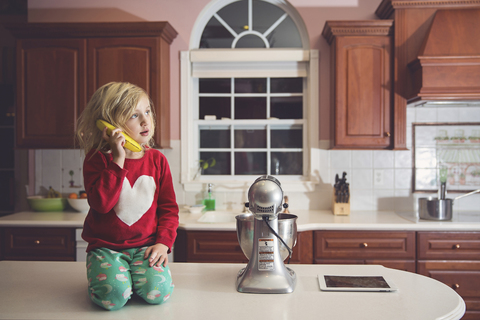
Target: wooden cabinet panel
column 223, row 246
column 454, row 259
column 38, row 244
column 141, row 61
column 58, row 62
column 362, row 112
column 50, row 91
column 364, row 245
column 361, row 77
column 208, row 246
column 449, row 245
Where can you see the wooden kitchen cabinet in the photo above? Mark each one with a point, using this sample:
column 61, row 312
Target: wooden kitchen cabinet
column 223, row 246
column 394, row 249
column 454, row 259
column 37, row 244
column 60, row 66
column 361, row 83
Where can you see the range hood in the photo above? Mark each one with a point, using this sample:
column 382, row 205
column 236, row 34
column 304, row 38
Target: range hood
column 448, row 64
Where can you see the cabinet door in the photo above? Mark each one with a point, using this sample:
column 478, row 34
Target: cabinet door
column 50, row 91
column 362, row 92
column 140, row 61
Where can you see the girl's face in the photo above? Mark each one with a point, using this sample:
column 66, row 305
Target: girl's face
column 139, row 125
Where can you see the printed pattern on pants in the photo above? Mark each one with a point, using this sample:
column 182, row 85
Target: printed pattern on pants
column 112, row 275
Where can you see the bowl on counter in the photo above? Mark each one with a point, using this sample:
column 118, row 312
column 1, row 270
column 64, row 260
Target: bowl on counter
column 42, row 204
column 196, row 208
column 80, row 205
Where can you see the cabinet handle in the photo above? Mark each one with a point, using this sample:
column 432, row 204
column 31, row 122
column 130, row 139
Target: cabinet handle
column 387, row 134
column 37, row 241
column 456, row 286
column 456, row 246
column 364, row 245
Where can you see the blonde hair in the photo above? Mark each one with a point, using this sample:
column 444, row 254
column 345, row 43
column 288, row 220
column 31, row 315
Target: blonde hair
column 115, row 102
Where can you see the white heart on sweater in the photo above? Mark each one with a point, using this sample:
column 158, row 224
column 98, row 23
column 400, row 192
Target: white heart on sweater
column 135, row 201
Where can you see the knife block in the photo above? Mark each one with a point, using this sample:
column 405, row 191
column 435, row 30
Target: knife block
column 340, row 209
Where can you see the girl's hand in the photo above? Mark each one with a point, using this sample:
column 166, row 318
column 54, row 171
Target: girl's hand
column 158, row 255
column 116, row 141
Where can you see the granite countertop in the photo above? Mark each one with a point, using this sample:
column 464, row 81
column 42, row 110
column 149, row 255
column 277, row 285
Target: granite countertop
column 307, row 220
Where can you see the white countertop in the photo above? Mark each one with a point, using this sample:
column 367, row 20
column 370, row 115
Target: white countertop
column 357, row 220
column 58, row 290
column 307, row 220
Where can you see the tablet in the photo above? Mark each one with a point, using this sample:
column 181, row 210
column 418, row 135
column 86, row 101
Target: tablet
column 355, row 283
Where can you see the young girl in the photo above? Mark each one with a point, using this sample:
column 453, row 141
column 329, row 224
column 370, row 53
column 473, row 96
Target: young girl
column 133, row 217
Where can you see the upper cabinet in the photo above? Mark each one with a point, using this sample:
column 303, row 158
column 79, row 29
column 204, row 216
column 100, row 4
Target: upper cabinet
column 361, row 79
column 60, row 65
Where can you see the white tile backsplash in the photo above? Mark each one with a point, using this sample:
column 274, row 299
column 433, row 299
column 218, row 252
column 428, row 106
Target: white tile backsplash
column 394, row 192
column 383, row 159
column 362, row 159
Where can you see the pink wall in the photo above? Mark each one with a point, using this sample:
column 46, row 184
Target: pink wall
column 181, row 14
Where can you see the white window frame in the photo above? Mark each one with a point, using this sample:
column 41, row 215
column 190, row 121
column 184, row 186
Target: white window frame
column 254, row 63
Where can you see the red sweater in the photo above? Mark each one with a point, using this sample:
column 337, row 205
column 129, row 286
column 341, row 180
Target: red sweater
column 130, row 207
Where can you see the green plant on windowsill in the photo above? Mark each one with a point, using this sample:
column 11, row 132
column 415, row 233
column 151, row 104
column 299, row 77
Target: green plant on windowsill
column 204, row 165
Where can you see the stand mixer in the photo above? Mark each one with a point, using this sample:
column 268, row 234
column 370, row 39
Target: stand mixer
column 266, row 272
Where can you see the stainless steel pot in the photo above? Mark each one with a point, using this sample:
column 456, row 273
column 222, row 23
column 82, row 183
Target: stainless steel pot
column 432, row 208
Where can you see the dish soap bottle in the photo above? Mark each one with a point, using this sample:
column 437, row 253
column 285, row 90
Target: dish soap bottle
column 209, row 198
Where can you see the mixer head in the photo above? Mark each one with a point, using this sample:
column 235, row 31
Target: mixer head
column 265, row 196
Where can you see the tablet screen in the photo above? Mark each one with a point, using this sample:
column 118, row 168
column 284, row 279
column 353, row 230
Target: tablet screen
column 356, row 282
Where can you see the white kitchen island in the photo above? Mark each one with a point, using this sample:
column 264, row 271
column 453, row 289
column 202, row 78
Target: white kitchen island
column 58, row 290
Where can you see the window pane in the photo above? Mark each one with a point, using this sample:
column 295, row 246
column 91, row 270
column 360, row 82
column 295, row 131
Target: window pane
column 214, row 85
column 250, row 138
column 250, row 41
column 211, row 138
column 222, row 162
column 215, row 35
column 250, row 108
column 235, row 15
column 264, row 15
column 285, row 35
column 286, row 107
column 286, row 85
column 255, row 85
column 286, row 138
column 287, row 163
column 250, row 163
column 217, row 106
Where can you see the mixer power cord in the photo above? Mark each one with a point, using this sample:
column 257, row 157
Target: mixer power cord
column 265, row 218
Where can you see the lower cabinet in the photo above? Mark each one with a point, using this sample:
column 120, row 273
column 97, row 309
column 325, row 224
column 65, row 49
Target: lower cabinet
column 37, row 244
column 454, row 259
column 223, row 246
column 392, row 249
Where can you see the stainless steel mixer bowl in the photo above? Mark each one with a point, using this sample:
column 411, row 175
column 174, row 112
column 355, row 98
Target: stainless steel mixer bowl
column 287, row 230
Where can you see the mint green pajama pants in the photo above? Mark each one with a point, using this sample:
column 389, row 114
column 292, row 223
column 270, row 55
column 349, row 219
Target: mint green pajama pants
column 111, row 276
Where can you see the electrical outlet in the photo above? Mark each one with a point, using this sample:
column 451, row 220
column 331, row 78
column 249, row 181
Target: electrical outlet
column 378, row 177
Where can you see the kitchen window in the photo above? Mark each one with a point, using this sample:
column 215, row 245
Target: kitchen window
column 249, row 97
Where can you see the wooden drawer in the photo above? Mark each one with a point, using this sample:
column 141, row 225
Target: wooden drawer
column 364, row 245
column 207, row 246
column 405, row 265
column 462, row 276
column 223, row 246
column 448, row 245
column 36, row 244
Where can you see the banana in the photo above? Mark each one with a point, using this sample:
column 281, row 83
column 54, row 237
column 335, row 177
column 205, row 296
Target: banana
column 52, row 193
column 130, row 144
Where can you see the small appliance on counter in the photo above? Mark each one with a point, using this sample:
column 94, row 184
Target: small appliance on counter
column 265, row 271
column 341, row 196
